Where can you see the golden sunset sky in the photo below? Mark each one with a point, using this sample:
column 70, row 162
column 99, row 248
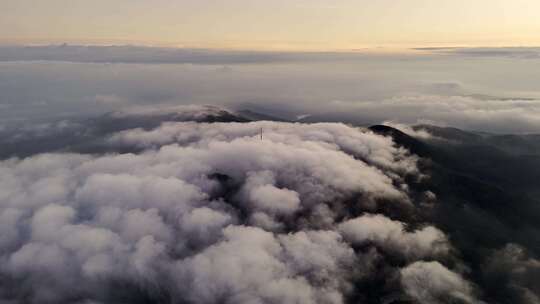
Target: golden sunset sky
column 273, row 24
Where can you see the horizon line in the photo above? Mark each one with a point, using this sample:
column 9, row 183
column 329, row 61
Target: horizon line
column 360, row 49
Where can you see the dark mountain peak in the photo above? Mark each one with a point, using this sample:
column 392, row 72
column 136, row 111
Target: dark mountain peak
column 387, row 130
column 450, row 133
column 400, row 138
column 256, row 116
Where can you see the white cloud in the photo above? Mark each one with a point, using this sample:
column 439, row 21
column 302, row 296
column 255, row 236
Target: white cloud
column 420, row 133
column 426, row 242
column 466, row 112
column 206, row 212
column 432, row 283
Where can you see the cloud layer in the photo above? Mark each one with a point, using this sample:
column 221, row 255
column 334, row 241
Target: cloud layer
column 466, row 112
column 40, row 83
column 210, row 213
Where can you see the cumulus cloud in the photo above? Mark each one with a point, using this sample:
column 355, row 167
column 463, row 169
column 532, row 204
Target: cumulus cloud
column 206, row 213
column 330, row 137
column 426, row 242
column 261, row 191
column 431, row 282
column 251, row 265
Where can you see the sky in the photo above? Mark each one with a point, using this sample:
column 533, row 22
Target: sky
column 279, row 24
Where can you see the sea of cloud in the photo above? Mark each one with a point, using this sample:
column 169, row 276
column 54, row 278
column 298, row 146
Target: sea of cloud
column 489, row 90
column 212, row 213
